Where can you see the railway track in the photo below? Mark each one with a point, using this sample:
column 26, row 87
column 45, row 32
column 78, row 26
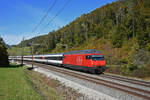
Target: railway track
column 145, row 94
column 133, row 81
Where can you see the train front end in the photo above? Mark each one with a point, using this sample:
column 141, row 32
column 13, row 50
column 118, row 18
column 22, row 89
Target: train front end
column 98, row 62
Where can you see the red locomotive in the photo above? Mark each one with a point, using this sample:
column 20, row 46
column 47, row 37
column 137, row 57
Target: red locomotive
column 88, row 60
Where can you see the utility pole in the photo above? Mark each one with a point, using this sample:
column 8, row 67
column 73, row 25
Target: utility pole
column 32, row 55
column 32, row 48
column 22, row 51
column 42, row 50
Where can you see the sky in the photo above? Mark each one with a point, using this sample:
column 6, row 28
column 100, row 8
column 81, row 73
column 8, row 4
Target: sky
column 18, row 18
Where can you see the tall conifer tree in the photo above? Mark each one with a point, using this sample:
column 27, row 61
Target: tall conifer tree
column 3, row 54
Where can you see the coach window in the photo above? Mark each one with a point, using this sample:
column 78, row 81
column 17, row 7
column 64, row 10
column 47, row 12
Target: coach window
column 54, row 58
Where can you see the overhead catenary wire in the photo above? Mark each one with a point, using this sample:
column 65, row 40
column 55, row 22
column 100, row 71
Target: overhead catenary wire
column 57, row 14
column 63, row 7
column 46, row 14
column 42, row 19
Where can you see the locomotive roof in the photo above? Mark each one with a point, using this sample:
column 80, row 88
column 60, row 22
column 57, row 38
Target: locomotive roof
column 83, row 51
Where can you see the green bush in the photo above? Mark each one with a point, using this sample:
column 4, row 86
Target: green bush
column 131, row 67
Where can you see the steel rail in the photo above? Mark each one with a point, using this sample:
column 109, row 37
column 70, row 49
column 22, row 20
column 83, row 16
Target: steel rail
column 138, row 82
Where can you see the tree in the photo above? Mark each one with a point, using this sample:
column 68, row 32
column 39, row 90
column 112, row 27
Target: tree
column 3, row 54
column 117, row 38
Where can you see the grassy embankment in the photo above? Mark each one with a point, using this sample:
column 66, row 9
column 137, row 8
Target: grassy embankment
column 15, row 86
column 18, row 83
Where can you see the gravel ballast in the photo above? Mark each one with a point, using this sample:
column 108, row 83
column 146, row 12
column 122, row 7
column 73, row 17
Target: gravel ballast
column 89, row 93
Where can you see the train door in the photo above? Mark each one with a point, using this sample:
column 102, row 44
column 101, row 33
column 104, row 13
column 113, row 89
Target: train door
column 79, row 60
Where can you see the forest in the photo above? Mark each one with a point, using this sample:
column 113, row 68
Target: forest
column 120, row 30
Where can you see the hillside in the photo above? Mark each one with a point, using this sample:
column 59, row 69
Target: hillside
column 121, row 30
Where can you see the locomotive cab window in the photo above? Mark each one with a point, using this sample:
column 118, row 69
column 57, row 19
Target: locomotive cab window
column 97, row 57
column 88, row 57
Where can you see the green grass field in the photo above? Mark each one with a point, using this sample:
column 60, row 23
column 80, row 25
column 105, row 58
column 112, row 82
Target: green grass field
column 19, row 83
column 14, row 85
